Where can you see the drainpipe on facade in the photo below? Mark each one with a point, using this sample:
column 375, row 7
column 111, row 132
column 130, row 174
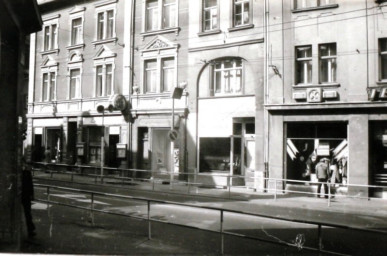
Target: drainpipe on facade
column 266, row 93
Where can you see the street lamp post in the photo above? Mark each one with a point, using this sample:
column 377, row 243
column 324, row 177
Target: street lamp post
column 177, row 92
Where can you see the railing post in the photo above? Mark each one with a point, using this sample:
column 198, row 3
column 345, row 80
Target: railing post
column 48, row 198
column 221, row 233
column 329, row 194
column 320, row 244
column 149, row 222
column 275, row 189
column 153, row 183
column 229, row 185
column 92, row 209
column 72, row 176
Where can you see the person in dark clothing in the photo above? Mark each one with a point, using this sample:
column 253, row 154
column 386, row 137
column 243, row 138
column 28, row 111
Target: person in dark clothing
column 27, row 196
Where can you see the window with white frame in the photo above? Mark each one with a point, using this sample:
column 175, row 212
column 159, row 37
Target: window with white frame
column 210, row 15
column 50, row 41
column 328, row 65
column 304, row 64
column 159, row 75
column 241, row 12
column 227, row 76
column 160, row 14
column 105, row 25
column 76, row 31
column 75, row 83
column 104, row 79
column 48, row 86
column 301, row 4
column 383, row 58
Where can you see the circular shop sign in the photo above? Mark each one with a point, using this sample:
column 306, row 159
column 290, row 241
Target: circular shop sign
column 173, row 134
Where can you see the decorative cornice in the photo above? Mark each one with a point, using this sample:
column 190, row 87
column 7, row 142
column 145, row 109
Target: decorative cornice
column 228, row 45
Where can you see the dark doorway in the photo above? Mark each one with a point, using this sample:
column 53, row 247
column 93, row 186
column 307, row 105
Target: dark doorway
column 112, row 154
column 37, row 150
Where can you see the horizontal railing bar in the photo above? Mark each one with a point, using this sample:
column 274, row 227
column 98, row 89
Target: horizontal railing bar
column 214, row 209
column 202, row 174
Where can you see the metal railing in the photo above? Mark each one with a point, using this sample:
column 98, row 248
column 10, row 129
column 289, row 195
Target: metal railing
column 297, row 244
column 131, row 175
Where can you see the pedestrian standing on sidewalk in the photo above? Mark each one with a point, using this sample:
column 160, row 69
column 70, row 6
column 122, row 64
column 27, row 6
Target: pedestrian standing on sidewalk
column 322, row 176
column 27, row 196
column 334, row 175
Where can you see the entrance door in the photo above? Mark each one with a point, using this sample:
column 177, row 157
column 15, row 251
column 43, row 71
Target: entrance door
column 242, row 152
column 53, row 144
column 112, row 154
column 161, row 149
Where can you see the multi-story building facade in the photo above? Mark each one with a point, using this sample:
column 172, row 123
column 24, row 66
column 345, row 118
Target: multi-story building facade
column 158, row 66
column 226, row 94
column 262, row 86
column 78, row 94
column 326, row 89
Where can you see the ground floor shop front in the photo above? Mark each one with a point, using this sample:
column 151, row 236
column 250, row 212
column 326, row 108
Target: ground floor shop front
column 353, row 138
column 92, row 140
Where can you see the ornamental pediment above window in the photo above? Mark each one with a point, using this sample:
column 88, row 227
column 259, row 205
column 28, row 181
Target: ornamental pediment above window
column 104, row 52
column 160, row 43
column 49, row 62
column 75, row 57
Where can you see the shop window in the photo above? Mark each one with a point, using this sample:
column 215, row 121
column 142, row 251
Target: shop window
column 210, row 15
column 227, row 77
column 304, row 64
column 76, row 31
column 50, row 41
column 305, row 149
column 327, row 54
column 241, row 12
column 93, row 137
column 383, row 58
column 160, row 14
column 214, row 154
column 301, row 4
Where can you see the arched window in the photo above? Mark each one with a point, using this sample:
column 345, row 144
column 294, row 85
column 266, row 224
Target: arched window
column 227, row 76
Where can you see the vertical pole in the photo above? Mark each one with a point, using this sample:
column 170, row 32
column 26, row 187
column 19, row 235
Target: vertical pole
column 275, row 189
column 149, row 222
column 319, row 238
column 229, row 185
column 172, row 145
column 92, row 209
column 329, row 194
column 48, row 198
column 221, row 233
column 102, row 145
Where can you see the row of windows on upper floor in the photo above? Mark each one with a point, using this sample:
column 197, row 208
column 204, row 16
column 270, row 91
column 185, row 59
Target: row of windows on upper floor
column 159, row 74
column 327, row 66
column 159, row 15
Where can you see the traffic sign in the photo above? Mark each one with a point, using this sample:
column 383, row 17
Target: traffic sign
column 173, row 134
